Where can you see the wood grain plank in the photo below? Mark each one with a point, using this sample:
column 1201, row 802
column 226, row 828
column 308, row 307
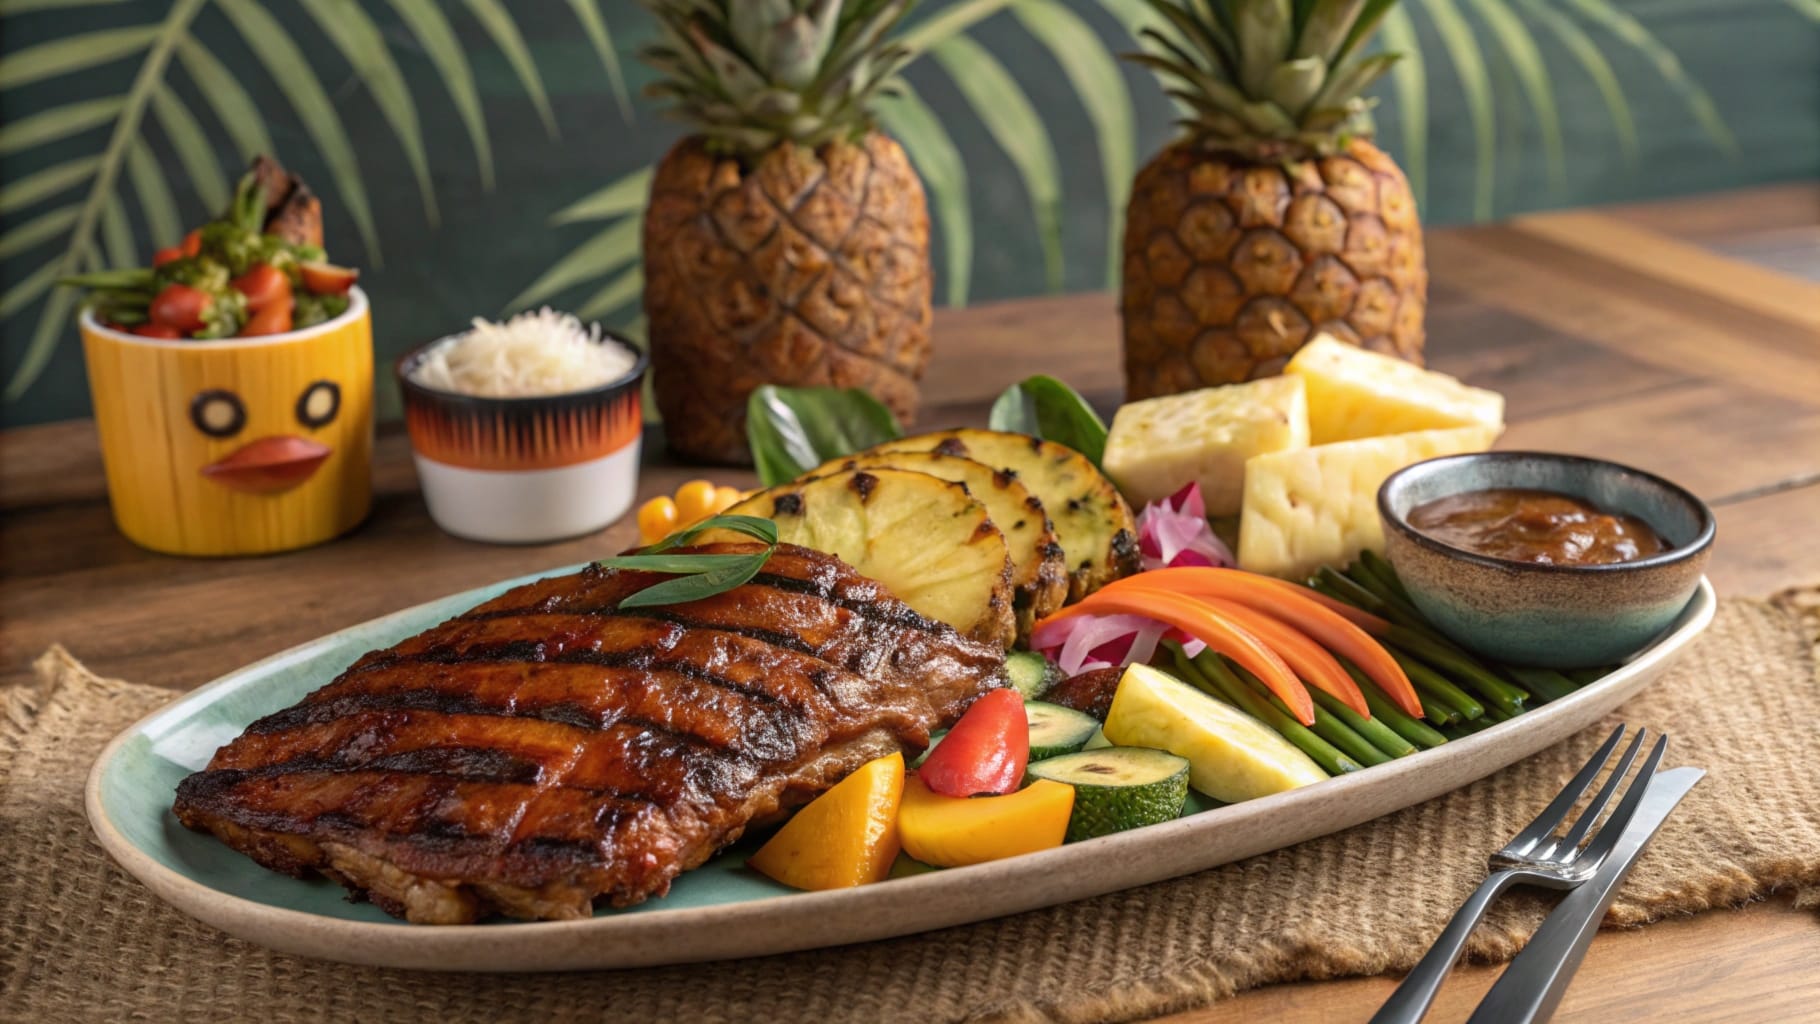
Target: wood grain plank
column 1679, row 264
column 1719, row 440
column 1725, row 218
column 1638, row 316
column 1770, row 542
column 1726, row 967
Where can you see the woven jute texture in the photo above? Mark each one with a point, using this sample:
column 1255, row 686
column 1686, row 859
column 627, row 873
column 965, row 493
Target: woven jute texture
column 80, row 940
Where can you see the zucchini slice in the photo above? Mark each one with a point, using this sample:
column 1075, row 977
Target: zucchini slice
column 1031, row 673
column 1056, row 730
column 1118, row 788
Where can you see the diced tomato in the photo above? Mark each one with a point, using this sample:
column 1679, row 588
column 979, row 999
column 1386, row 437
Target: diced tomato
column 273, row 319
column 328, row 279
column 168, row 254
column 182, row 307
column 152, row 330
column 985, row 752
column 263, row 284
column 192, row 243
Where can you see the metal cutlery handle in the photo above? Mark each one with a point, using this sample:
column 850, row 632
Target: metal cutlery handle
column 1533, row 985
column 1410, row 1001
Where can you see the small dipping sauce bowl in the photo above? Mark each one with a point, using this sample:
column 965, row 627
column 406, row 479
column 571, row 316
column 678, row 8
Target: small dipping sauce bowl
column 1548, row 616
column 526, row 470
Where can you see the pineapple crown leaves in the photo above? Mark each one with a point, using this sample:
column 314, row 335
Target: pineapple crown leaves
column 1268, row 79
column 752, row 74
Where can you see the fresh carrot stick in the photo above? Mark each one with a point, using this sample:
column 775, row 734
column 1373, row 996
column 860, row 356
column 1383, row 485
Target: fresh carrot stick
column 1371, row 624
column 1310, row 660
column 1299, row 608
column 1218, row 632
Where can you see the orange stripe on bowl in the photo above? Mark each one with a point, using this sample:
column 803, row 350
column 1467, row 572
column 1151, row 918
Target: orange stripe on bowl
column 517, row 436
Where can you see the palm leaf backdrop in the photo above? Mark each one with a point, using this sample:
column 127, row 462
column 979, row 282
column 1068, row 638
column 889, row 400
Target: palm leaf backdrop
column 1489, row 44
column 85, row 211
column 1023, row 123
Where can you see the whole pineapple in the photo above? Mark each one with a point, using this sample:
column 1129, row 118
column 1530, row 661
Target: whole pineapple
column 1273, row 219
column 787, row 240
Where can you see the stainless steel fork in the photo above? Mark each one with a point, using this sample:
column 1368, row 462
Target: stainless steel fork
column 1535, row 857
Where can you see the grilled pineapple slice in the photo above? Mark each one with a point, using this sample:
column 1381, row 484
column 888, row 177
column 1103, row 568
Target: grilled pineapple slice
column 926, row 539
column 1092, row 522
column 1319, row 506
column 1038, row 574
column 1354, row 393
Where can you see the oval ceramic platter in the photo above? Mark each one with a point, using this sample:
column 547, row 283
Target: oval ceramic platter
column 723, row 910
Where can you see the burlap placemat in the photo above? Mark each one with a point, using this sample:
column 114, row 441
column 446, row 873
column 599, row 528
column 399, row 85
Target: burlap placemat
column 83, row 941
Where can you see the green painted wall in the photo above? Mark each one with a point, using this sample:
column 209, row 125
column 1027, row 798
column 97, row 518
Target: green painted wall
column 1757, row 62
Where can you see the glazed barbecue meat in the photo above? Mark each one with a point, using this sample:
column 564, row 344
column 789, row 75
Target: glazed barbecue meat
column 547, row 748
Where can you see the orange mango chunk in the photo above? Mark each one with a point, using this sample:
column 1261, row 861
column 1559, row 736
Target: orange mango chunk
column 952, row 831
column 845, row 837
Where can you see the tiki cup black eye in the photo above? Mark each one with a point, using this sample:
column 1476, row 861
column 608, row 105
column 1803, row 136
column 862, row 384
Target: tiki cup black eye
column 318, row 404
column 219, row 414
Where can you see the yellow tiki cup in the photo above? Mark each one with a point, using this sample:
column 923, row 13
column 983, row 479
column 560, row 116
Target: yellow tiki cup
column 241, row 446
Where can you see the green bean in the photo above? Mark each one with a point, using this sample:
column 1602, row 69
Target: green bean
column 1381, row 567
column 1585, row 676
column 1326, row 725
column 1337, row 585
column 1382, row 737
column 1383, row 710
column 1466, row 728
column 1544, row 683
column 1434, row 684
column 1462, row 667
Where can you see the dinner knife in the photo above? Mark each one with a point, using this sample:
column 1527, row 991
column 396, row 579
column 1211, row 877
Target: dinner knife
column 1533, row 985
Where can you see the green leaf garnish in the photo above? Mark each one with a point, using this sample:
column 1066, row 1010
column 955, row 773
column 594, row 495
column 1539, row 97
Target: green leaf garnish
column 1044, row 407
column 699, row 575
column 794, row 430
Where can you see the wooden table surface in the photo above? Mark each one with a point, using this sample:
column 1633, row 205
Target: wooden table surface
column 1682, row 337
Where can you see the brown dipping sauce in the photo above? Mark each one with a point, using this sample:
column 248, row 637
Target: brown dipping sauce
column 1544, row 527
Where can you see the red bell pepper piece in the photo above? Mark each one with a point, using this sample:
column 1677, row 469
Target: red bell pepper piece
column 985, row 752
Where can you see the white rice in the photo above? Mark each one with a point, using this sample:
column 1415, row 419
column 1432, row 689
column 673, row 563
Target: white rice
column 532, row 354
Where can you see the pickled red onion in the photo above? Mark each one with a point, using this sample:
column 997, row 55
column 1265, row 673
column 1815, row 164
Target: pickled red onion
column 1174, row 532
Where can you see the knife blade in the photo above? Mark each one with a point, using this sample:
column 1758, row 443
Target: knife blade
column 1533, row 985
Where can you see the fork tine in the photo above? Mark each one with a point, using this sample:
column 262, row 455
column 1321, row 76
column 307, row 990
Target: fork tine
column 1590, row 816
column 1613, row 829
column 1556, row 811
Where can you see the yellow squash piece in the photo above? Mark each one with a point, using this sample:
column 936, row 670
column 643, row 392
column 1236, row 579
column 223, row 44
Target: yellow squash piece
column 1354, row 393
column 952, row 832
column 1231, row 755
column 845, row 837
column 1159, row 444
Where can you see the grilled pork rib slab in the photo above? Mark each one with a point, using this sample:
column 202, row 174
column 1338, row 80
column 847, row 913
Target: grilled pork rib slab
column 548, row 748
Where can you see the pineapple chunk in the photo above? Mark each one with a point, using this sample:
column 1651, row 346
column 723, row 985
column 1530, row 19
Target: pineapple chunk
column 1353, row 393
column 1319, row 506
column 1161, row 444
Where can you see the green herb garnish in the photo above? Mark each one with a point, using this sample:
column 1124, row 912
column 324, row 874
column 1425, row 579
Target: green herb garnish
column 698, row 575
column 1044, row 407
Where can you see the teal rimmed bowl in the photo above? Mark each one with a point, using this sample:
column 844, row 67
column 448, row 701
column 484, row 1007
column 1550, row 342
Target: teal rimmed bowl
column 1550, row 616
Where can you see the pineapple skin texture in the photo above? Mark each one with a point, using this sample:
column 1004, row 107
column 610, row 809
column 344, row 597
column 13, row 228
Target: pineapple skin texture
column 1354, row 394
column 806, row 268
column 1319, row 506
column 1230, row 266
column 1158, row 445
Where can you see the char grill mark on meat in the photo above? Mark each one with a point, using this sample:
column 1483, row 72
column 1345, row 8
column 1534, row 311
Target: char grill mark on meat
column 547, row 748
